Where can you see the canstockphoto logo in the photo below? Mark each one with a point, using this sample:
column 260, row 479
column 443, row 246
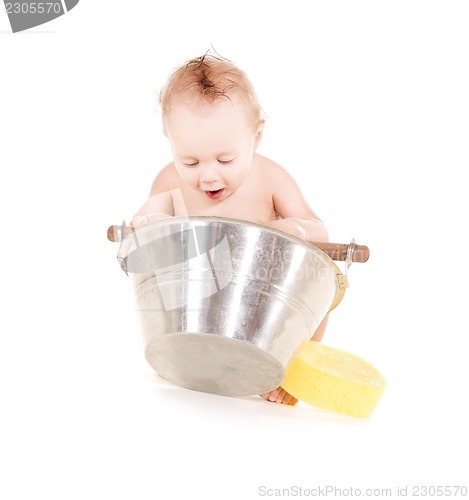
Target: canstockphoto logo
column 26, row 14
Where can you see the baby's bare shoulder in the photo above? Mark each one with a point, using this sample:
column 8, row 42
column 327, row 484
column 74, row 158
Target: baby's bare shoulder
column 272, row 171
column 166, row 179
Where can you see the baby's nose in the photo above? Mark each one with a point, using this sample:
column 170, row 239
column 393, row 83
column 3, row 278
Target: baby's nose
column 209, row 174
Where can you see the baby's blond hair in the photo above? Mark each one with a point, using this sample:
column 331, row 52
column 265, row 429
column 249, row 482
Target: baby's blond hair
column 208, row 78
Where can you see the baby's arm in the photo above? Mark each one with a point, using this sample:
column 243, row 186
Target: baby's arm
column 297, row 217
column 299, row 220
column 159, row 204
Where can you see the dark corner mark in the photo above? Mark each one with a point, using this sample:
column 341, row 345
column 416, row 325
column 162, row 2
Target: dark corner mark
column 26, row 14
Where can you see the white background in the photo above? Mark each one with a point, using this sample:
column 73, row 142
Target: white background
column 368, row 107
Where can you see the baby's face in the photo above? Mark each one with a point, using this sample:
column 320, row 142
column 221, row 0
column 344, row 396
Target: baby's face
column 213, row 145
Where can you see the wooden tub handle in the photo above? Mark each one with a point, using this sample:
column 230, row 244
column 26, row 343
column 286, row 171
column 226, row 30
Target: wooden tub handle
column 336, row 251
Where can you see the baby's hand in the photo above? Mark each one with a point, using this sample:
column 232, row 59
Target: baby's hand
column 143, row 220
column 290, row 226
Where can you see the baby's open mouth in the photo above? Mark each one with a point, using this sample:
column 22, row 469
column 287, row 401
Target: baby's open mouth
column 215, row 194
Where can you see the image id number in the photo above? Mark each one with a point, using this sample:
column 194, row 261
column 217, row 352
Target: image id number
column 439, row 491
column 33, row 8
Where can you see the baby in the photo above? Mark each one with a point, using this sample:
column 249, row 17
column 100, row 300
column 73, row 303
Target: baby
column 214, row 124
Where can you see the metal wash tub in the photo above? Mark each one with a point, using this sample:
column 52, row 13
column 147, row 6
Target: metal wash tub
column 224, row 304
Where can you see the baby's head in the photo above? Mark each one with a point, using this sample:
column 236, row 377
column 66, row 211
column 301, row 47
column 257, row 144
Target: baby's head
column 207, row 80
column 213, row 120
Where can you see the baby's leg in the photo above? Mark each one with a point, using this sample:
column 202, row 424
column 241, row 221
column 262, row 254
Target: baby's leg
column 319, row 333
column 280, row 395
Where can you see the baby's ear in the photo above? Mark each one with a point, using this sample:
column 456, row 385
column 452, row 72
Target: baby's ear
column 258, row 135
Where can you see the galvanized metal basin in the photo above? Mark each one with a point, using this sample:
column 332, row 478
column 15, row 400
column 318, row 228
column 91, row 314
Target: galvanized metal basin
column 223, row 303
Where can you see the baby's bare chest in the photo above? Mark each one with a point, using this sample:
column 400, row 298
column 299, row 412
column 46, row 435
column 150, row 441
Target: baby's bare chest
column 254, row 206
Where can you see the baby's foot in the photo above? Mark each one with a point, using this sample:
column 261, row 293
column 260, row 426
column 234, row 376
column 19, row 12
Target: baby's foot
column 280, row 395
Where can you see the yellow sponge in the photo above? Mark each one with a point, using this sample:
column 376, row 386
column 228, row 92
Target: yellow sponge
column 334, row 380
